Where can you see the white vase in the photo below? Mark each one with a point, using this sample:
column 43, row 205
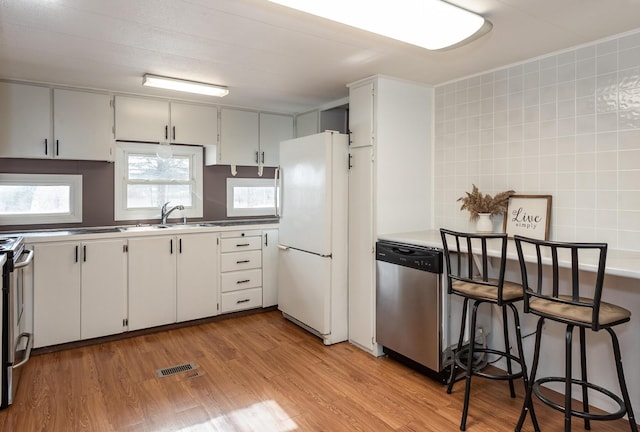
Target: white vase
column 484, row 223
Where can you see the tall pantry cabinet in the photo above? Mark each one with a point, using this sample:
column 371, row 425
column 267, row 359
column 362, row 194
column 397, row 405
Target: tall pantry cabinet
column 390, row 182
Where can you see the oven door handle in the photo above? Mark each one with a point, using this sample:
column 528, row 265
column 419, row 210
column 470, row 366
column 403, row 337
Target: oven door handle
column 29, row 337
column 26, row 261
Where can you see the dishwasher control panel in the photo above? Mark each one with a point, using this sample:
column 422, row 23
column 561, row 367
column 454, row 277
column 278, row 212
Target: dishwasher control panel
column 418, row 257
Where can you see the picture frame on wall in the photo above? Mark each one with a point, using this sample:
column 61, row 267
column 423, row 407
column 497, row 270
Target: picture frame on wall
column 528, row 215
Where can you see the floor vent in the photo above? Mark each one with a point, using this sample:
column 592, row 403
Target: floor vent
column 172, row 370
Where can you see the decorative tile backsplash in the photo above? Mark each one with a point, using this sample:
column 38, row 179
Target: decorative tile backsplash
column 566, row 125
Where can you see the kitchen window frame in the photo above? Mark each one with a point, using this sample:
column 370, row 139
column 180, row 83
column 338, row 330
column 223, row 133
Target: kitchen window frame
column 124, row 149
column 72, row 181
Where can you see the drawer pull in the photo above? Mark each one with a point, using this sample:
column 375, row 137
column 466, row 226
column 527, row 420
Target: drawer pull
column 243, row 281
column 243, row 245
column 243, row 261
column 242, row 301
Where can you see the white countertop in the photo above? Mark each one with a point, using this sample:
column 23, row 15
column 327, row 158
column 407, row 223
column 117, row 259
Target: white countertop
column 96, row 233
column 619, row 263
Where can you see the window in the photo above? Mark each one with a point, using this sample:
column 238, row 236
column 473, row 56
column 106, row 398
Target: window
column 30, row 199
column 148, row 175
column 251, row 197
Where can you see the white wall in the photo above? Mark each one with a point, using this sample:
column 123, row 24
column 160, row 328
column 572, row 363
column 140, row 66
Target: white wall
column 567, row 124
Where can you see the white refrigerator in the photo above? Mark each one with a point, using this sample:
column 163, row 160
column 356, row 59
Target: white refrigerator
column 312, row 265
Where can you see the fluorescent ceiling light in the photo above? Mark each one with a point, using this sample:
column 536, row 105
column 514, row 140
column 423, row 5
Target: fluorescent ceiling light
column 184, row 85
column 430, row 24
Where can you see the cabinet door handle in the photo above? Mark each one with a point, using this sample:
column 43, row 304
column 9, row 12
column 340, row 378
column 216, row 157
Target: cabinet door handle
column 57, row 148
column 76, row 253
column 243, row 244
column 262, row 158
column 84, row 253
column 257, row 156
column 242, row 301
column 180, row 245
column 243, row 261
column 46, row 146
column 171, row 246
column 243, row 281
column 166, row 131
column 173, row 130
column 266, row 239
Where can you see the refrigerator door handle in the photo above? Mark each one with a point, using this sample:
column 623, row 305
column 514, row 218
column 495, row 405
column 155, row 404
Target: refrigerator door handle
column 276, row 177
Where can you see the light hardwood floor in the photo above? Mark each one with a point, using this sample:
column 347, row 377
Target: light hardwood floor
column 255, row 373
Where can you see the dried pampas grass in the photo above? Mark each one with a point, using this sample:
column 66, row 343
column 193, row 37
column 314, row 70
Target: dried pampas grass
column 477, row 203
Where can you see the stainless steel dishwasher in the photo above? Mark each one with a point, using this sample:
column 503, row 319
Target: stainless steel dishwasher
column 409, row 306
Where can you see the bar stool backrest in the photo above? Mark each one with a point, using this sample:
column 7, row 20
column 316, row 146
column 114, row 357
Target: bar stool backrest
column 467, row 245
column 545, row 280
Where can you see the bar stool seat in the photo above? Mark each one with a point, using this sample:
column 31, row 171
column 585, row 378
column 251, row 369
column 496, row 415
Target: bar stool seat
column 463, row 281
column 510, row 290
column 609, row 313
column 549, row 299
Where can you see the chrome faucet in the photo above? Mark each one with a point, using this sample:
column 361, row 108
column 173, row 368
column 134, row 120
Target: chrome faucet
column 164, row 213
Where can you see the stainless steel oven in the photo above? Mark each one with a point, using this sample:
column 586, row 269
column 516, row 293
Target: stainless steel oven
column 15, row 319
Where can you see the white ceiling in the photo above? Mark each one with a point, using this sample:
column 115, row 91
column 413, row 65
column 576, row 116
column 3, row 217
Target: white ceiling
column 270, row 57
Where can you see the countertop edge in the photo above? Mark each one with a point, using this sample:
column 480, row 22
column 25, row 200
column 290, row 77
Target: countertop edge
column 52, row 236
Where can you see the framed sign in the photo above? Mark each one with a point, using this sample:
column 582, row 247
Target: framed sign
column 528, row 215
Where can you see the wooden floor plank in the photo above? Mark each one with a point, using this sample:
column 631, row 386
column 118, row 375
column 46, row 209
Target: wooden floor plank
column 254, row 373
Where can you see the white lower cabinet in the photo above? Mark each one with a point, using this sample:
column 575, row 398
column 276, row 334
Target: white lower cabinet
column 56, row 293
column 103, row 305
column 94, row 288
column 152, row 281
column 240, row 270
column 79, row 290
column 269, row 267
column 197, row 276
column 172, row 279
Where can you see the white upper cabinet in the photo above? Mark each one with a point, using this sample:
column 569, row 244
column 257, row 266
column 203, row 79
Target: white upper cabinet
column 273, row 129
column 361, row 121
column 250, row 138
column 194, row 124
column 239, row 135
column 154, row 120
column 82, row 124
column 139, row 119
column 25, row 116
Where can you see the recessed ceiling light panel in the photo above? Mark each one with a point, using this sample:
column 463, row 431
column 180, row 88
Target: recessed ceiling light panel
column 430, row 24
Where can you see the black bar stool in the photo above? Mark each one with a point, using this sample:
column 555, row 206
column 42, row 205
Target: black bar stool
column 463, row 281
column 571, row 307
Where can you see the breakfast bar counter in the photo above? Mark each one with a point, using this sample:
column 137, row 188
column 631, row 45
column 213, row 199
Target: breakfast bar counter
column 619, row 263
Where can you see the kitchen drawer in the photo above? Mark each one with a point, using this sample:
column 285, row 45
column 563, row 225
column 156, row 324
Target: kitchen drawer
column 239, row 300
column 234, row 261
column 237, row 244
column 248, row 233
column 233, row 281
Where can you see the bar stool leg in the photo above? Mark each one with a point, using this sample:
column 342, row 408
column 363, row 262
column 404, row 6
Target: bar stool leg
column 505, row 328
column 583, row 366
column 523, row 365
column 528, row 400
column 567, row 379
column 454, row 366
column 621, row 380
column 467, row 389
